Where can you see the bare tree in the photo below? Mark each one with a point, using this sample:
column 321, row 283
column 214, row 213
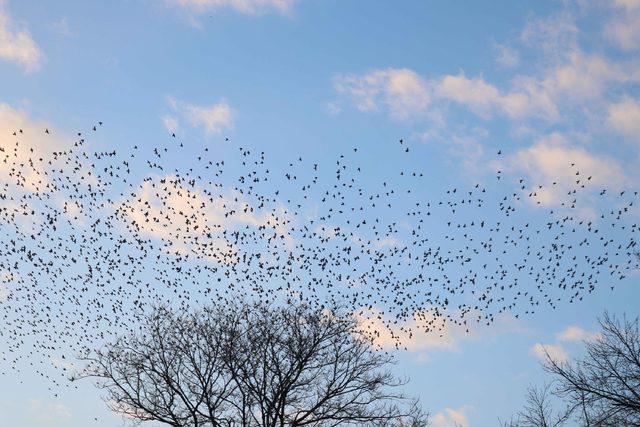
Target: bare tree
column 251, row 365
column 539, row 411
column 169, row 372
column 600, row 389
column 605, row 384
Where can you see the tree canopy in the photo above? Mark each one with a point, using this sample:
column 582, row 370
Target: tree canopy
column 250, row 364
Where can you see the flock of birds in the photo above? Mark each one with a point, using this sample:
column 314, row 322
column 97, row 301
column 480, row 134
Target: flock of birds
column 91, row 239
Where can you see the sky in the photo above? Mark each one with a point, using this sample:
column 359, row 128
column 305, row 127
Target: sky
column 545, row 82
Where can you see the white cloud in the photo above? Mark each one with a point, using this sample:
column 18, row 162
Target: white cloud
column 16, row 43
column 33, row 131
column 5, row 292
column 567, row 84
column 568, row 73
column 575, row 333
column 452, row 417
column 170, row 123
column 412, row 333
column 168, row 208
column 8, row 280
column 32, row 136
column 404, row 94
column 61, row 27
column 549, row 160
column 35, row 140
column 584, row 76
column 569, row 87
column 624, row 116
column 573, row 78
column 249, row 7
column 212, row 118
column 557, row 90
column 463, row 144
column 427, row 330
column 555, row 35
column 628, row 4
column 624, row 29
column 333, row 108
column 390, row 242
column 401, row 91
column 506, row 56
column 475, row 92
column 484, row 98
column 48, row 414
column 625, row 32
column 64, row 364
column 555, row 351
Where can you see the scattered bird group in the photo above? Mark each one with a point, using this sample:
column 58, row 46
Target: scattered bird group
column 93, row 238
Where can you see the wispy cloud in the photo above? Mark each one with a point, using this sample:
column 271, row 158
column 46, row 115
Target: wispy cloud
column 575, row 333
column 31, row 134
column 399, row 91
column 170, row 123
column 7, row 278
column 506, row 56
column 624, row 29
column 48, row 414
column 428, row 330
column 554, row 163
column 483, row 98
column 16, row 44
column 554, row 35
column 193, row 212
column 61, row 27
column 571, row 94
column 213, row 119
column 404, row 94
column 624, row 117
column 555, row 351
column 249, row 7
column 450, row 417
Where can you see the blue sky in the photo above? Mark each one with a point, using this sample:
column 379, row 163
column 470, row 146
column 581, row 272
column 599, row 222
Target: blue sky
column 546, row 82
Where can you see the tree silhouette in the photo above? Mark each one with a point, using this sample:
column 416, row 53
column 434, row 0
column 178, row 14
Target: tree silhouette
column 250, row 364
column 600, row 389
